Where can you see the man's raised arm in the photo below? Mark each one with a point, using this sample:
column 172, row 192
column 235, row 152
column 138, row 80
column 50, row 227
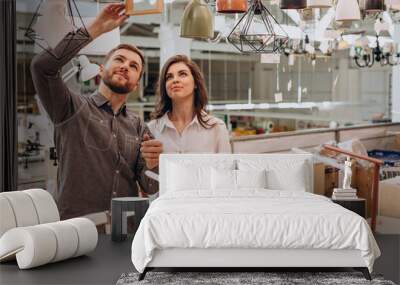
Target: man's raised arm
column 45, row 68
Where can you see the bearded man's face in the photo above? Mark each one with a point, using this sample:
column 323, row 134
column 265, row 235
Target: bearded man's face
column 121, row 72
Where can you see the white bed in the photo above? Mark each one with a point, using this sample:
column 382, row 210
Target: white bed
column 203, row 219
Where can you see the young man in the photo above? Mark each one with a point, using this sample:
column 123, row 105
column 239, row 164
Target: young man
column 97, row 139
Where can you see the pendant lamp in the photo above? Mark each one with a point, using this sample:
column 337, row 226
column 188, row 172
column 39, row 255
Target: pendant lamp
column 319, row 3
column 197, row 21
column 372, row 6
column 347, row 10
column 231, row 6
column 64, row 19
column 258, row 31
column 393, row 4
column 293, row 4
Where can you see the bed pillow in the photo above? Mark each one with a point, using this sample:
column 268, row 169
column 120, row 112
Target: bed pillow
column 228, row 179
column 251, row 178
column 293, row 179
column 188, row 177
column 223, row 179
column 285, row 174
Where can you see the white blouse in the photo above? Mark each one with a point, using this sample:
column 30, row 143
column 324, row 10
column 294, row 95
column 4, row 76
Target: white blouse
column 194, row 138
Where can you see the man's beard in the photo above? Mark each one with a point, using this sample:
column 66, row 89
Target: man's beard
column 119, row 89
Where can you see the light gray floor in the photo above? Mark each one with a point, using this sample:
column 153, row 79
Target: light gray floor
column 110, row 260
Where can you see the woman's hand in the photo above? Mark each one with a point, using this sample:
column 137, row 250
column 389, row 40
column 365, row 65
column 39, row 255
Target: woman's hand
column 151, row 150
column 109, row 18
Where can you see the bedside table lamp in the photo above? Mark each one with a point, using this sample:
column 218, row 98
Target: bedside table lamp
column 375, row 178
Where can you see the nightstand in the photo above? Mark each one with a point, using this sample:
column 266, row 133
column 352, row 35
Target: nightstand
column 119, row 208
column 356, row 205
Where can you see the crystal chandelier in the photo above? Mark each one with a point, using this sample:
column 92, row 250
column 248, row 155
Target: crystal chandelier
column 258, row 31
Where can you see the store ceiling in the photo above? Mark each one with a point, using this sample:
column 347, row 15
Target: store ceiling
column 311, row 22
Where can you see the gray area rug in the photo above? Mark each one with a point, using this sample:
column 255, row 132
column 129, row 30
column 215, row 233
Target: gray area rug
column 243, row 278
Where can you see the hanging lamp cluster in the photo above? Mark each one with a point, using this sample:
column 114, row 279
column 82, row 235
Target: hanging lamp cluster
column 258, row 31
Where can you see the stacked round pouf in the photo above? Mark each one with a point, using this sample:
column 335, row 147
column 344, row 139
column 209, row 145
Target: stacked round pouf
column 31, row 230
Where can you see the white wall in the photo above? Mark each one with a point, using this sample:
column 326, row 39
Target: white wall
column 396, row 82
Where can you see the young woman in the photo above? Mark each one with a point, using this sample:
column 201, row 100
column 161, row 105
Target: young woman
column 180, row 121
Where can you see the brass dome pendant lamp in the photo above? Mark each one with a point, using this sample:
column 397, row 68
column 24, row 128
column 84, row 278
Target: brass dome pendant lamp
column 197, row 21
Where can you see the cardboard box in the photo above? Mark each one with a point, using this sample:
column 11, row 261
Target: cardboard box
column 363, row 184
column 319, row 178
column 331, row 180
column 389, row 197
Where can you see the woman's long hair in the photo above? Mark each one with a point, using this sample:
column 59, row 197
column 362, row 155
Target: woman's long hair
column 164, row 102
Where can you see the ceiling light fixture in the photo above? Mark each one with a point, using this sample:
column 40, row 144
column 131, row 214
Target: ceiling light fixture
column 319, row 3
column 52, row 21
column 258, row 31
column 197, row 21
column 366, row 57
column 374, row 6
column 293, row 4
column 231, row 6
column 347, row 10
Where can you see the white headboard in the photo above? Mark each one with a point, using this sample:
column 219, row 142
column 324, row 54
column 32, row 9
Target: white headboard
column 218, row 159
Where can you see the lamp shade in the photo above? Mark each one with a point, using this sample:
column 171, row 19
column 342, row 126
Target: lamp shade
column 231, row 6
column 197, row 21
column 393, row 4
column 347, row 10
column 293, row 4
column 319, row 3
column 88, row 70
column 374, row 5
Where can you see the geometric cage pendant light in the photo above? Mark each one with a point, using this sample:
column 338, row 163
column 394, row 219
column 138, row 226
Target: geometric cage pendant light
column 258, row 31
column 52, row 21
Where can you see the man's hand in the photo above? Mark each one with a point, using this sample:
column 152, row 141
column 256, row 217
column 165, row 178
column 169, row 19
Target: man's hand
column 109, row 18
column 151, row 150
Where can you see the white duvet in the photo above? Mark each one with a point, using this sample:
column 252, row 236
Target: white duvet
column 252, row 218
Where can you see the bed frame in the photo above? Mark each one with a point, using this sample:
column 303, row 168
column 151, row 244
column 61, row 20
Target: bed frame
column 242, row 259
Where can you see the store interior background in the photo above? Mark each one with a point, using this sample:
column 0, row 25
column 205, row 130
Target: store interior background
column 328, row 98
